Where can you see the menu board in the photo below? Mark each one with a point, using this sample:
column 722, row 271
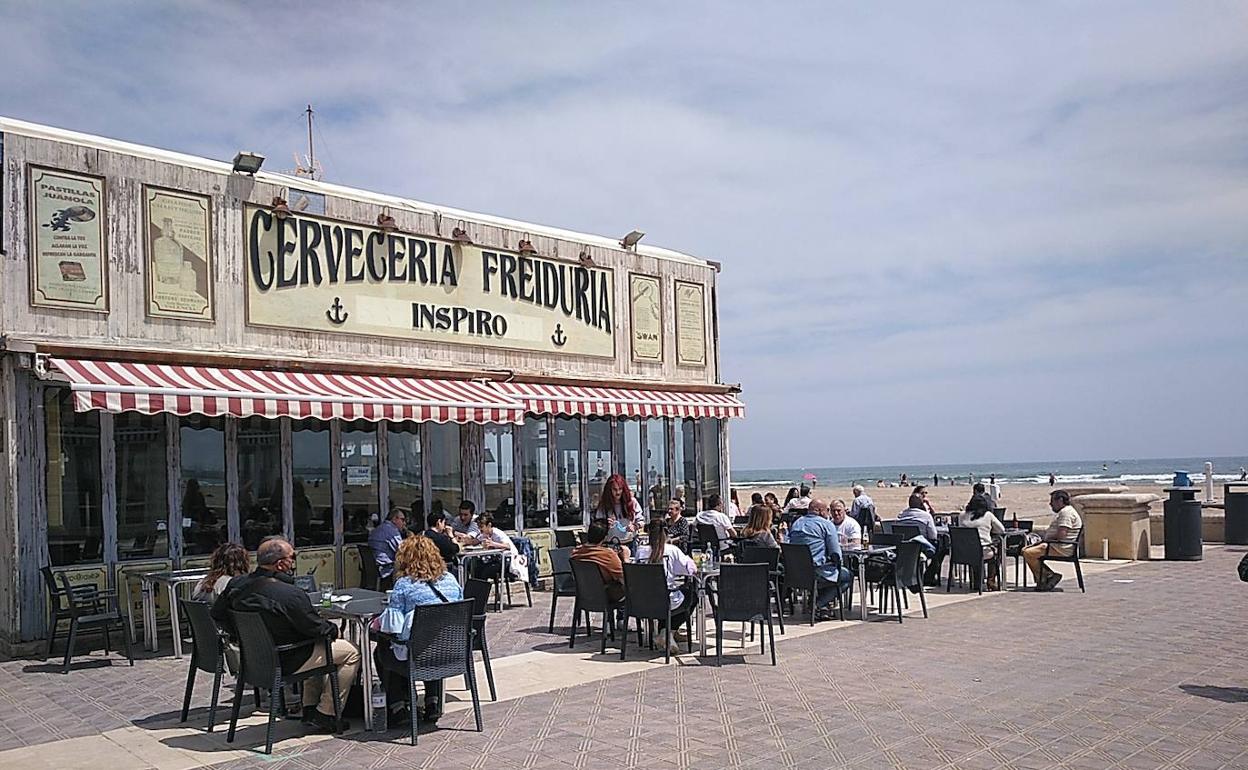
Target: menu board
column 67, row 241
column 176, row 229
column 690, row 324
column 645, row 302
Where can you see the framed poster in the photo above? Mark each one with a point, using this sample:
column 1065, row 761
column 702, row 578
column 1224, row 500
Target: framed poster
column 68, row 249
column 645, row 305
column 177, row 242
column 690, row 324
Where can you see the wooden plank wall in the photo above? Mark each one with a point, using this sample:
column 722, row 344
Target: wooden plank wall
column 128, row 326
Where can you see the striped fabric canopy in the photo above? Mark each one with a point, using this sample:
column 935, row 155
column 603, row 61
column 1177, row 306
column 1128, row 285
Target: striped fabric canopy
column 621, row 402
column 117, row 386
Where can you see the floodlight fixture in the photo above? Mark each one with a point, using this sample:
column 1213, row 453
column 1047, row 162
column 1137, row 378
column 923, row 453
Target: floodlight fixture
column 630, row 240
column 248, row 162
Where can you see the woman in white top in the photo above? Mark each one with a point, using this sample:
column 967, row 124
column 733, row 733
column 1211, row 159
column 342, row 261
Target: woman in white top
column 492, row 537
column 979, row 514
column 617, row 505
column 677, row 565
column 229, row 560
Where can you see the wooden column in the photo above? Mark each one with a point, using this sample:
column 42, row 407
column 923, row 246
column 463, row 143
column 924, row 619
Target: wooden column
column 643, row 439
column 552, row 476
column 516, row 476
column 426, row 472
column 25, row 510
column 173, row 488
column 617, row 449
column 288, row 478
column 725, row 468
column 383, row 467
column 472, row 463
column 233, row 528
column 108, row 493
column 335, row 493
column 669, row 433
column 583, row 467
column 699, row 481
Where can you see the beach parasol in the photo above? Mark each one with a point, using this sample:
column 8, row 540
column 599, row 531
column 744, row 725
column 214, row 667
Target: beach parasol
column 809, row 476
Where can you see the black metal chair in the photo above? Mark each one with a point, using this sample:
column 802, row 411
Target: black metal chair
column 800, row 575
column 646, row 597
column 1075, row 540
column 562, row 581
column 709, row 536
column 262, row 667
column 504, row 579
column 886, row 538
column 591, row 596
column 904, row 571
column 966, row 550
column 1014, row 548
column 440, row 647
column 58, row 601
column 370, row 576
column 91, row 609
column 761, row 554
column 565, row 538
column 742, row 593
column 207, row 655
column 479, row 592
column 886, row 525
column 906, row 531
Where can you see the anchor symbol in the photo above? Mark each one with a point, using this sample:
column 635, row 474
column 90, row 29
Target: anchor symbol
column 336, row 314
column 558, row 337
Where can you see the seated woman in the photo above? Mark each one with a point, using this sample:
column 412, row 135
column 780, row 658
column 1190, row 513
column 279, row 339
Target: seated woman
column 677, row 565
column 758, row 531
column 229, row 560
column 420, row 578
column 979, row 514
column 492, row 537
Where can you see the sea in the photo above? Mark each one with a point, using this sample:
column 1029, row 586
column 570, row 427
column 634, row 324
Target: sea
column 1139, row 472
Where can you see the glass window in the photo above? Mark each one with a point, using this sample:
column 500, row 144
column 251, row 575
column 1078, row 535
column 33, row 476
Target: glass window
column 534, row 477
column 500, row 485
column 631, row 463
column 75, row 523
column 710, row 456
column 311, row 495
column 259, row 480
column 685, row 484
column 361, row 499
column 656, row 464
column 203, row 483
column 444, row 474
column 142, row 503
column 599, row 461
column 568, row 471
column 403, row 453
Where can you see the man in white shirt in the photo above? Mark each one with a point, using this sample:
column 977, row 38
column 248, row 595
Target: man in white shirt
column 862, row 509
column 714, row 515
column 847, row 529
column 1059, row 539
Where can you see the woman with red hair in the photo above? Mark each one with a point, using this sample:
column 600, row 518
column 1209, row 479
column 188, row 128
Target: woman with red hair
column 617, row 505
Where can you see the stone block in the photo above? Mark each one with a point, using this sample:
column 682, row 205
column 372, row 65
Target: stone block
column 1120, row 518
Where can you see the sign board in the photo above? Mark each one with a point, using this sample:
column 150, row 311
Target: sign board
column 690, row 324
column 68, row 248
column 311, row 273
column 177, row 238
column 359, row 475
column 645, row 303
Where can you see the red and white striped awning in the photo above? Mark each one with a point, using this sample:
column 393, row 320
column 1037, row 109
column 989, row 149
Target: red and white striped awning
column 118, row 386
column 621, row 402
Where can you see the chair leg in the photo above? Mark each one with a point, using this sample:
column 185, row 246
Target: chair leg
column 898, row 597
column 507, row 583
column 624, row 638
column 108, row 641
column 923, row 600
column 775, row 592
column 528, row 593
column 489, row 670
column 719, row 642
column 216, row 695
column 949, row 582
column 190, row 685
column 576, row 617
column 470, row 676
column 554, row 599
column 667, row 639
column 234, row 709
column 69, row 643
column 336, row 690
column 413, row 708
column 1079, row 575
column 771, row 640
column 125, row 637
column 55, row 621
column 608, row 622
column 275, row 695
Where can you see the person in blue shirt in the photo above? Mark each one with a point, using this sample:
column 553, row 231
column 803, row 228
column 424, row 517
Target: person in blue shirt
column 814, row 529
column 384, row 540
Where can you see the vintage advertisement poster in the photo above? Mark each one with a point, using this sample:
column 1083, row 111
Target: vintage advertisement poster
column 645, row 301
column 68, row 248
column 177, row 242
column 312, row 273
column 690, row 324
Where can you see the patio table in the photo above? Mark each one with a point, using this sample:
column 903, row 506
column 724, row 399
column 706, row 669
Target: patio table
column 358, row 611
column 484, row 553
column 860, row 554
column 150, row 583
column 700, row 580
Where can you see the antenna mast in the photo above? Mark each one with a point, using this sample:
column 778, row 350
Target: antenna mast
column 311, row 149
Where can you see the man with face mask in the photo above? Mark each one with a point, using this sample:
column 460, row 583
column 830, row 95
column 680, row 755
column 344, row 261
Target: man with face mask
column 288, row 614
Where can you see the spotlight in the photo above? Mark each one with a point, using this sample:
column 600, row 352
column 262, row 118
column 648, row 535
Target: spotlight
column 585, row 259
column 248, row 162
column 386, row 222
column 460, row 235
column 630, row 240
column 526, row 246
column 280, row 209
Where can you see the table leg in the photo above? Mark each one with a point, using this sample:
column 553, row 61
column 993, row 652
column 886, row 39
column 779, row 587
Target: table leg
column 175, row 627
column 862, row 587
column 148, row 591
column 702, row 617
column 129, row 610
column 366, row 672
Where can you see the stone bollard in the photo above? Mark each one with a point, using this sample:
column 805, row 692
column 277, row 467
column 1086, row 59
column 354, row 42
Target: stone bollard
column 1121, row 518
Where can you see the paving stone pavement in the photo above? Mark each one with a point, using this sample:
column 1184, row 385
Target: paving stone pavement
column 1144, row 671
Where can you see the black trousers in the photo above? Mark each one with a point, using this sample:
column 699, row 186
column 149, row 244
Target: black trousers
column 393, row 674
column 932, row 574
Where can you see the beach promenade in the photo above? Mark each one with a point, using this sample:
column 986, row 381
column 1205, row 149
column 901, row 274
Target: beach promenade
column 1145, row 670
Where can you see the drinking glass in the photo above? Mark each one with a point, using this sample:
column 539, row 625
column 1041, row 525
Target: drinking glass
column 327, row 593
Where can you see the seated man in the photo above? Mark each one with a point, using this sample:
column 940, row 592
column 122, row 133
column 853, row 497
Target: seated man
column 1058, row 539
column 494, row 538
column 607, row 560
column 714, row 516
column 287, row 613
column 384, row 540
column 929, row 540
column 676, row 525
column 862, row 509
column 848, row 530
column 441, row 534
column 466, row 531
column 814, row 529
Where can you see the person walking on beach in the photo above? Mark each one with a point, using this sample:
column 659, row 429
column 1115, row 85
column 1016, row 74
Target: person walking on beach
column 935, row 480
column 1052, row 479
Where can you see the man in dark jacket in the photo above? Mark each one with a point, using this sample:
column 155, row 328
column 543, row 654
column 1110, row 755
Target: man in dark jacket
column 288, row 614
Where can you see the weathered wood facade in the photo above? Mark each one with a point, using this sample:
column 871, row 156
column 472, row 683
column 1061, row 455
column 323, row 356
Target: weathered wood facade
column 30, row 411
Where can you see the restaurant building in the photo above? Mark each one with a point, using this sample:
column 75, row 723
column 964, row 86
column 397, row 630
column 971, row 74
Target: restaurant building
column 193, row 354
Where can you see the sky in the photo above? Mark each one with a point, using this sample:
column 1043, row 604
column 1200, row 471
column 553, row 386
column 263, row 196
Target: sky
column 950, row 233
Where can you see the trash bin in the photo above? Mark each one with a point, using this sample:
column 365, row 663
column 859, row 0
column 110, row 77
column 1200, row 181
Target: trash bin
column 1182, row 525
column 1235, row 500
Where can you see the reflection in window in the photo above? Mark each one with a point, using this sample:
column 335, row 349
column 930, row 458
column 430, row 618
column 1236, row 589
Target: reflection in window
column 599, row 458
column 499, row 480
column 203, row 483
column 444, row 474
column 142, row 502
column 311, row 495
column 259, row 480
column 710, row 457
column 685, row 484
column 75, row 524
column 403, row 452
column 656, row 464
column 568, row 471
column 631, row 464
column 360, row 495
column 534, row 477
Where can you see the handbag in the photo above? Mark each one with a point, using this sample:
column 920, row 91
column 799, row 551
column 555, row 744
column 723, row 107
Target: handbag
column 1243, row 568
